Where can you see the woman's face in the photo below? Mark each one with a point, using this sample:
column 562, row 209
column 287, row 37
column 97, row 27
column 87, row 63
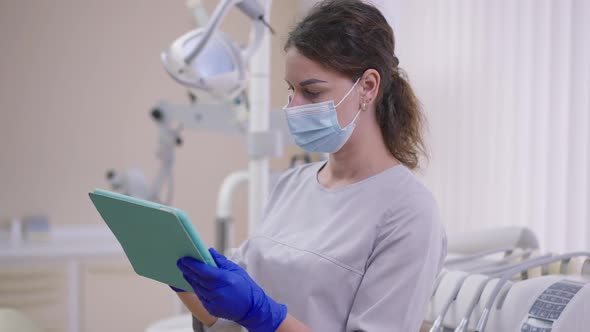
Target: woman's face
column 309, row 82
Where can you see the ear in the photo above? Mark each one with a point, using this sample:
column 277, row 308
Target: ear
column 369, row 84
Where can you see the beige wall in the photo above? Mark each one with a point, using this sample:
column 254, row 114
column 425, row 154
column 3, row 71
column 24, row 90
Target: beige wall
column 77, row 81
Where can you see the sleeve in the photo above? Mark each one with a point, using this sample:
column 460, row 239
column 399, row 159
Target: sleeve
column 408, row 254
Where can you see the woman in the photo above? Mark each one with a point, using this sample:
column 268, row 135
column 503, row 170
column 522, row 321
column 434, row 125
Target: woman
column 351, row 244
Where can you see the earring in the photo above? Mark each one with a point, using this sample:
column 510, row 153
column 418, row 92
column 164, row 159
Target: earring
column 364, row 106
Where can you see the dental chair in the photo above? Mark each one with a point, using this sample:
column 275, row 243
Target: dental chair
column 506, row 286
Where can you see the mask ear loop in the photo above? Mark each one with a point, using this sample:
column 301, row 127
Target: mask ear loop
column 349, row 91
column 346, row 95
column 354, row 120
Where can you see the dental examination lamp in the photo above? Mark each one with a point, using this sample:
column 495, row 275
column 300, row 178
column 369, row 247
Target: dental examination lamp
column 215, row 69
column 206, row 59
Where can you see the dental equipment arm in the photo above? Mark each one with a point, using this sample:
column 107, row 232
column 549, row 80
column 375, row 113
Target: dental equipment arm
column 198, row 11
column 249, row 7
column 508, row 274
column 133, row 182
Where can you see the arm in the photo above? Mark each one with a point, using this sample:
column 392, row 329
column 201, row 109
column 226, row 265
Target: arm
column 194, row 305
column 191, row 301
column 290, row 324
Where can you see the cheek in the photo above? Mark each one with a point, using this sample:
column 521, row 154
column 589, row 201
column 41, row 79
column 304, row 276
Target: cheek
column 342, row 116
column 346, row 112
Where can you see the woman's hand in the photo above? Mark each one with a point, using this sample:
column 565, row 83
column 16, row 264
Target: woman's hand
column 229, row 292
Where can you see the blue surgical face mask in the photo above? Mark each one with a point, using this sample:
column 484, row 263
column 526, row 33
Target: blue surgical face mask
column 315, row 127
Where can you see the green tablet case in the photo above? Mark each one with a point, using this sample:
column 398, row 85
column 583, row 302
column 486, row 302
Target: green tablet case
column 153, row 236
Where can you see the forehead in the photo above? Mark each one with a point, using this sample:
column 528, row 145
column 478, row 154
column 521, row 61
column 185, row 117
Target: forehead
column 299, row 68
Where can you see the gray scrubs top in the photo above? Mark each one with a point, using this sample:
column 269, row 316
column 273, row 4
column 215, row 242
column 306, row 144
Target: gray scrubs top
column 363, row 257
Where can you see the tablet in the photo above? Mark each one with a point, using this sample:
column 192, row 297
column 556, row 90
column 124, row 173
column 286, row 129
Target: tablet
column 153, row 236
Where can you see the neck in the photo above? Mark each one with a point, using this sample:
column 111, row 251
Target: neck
column 363, row 156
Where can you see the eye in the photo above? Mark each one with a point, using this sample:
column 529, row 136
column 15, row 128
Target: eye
column 290, row 96
column 307, row 94
column 310, row 94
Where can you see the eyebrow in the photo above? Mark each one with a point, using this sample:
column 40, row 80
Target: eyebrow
column 309, row 82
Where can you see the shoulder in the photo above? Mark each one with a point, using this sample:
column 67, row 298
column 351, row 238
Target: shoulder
column 411, row 221
column 400, row 193
column 299, row 175
column 400, row 180
column 289, row 183
column 410, row 206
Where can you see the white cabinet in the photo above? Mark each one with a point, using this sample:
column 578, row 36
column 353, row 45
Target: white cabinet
column 38, row 291
column 115, row 298
column 81, row 281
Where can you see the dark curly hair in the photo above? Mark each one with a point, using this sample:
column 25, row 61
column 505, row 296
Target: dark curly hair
column 351, row 36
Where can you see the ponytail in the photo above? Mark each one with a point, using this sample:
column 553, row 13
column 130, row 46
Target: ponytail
column 401, row 120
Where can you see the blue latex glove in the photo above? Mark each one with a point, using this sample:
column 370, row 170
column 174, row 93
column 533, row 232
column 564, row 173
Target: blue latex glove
column 229, row 292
